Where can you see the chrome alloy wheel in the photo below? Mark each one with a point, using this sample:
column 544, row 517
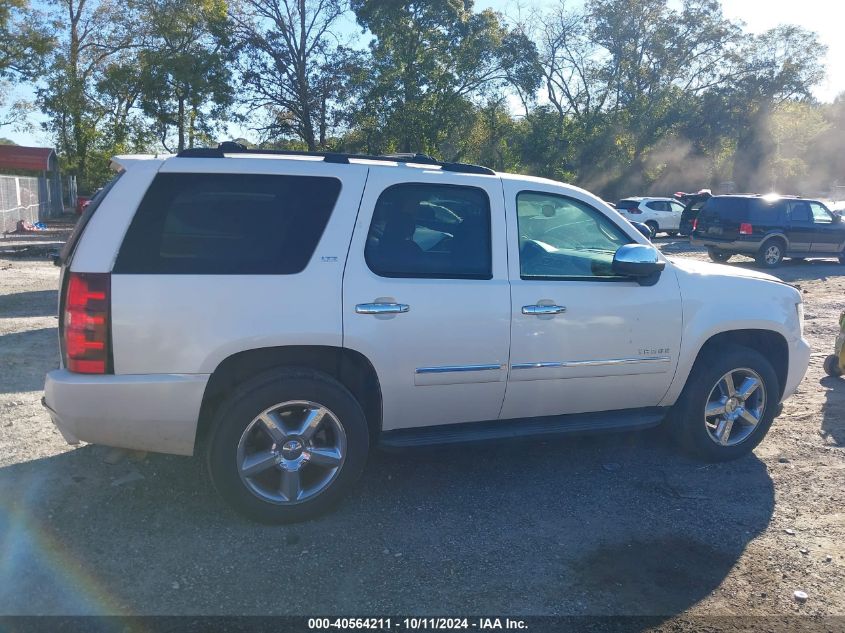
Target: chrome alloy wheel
column 291, row 452
column 735, row 406
column 772, row 254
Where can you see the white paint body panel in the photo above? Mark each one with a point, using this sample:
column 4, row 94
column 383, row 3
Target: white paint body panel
column 451, row 322
column 191, row 323
column 170, row 332
column 154, row 412
column 615, row 347
column 767, row 304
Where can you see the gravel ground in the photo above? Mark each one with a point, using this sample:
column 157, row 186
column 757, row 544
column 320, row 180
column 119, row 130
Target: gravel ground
column 611, row 524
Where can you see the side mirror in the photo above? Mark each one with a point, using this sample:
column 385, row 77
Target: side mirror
column 837, row 217
column 638, row 261
column 643, row 228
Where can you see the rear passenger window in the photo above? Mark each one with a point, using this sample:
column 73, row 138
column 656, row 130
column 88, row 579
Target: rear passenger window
column 431, row 231
column 763, row 212
column 228, row 224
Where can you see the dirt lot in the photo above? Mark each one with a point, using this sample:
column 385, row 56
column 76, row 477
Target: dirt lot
column 619, row 524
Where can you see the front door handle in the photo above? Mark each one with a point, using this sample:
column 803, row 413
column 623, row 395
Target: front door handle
column 382, row 308
column 537, row 310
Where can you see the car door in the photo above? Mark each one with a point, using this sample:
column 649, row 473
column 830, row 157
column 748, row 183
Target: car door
column 425, row 294
column 662, row 213
column 582, row 339
column 828, row 236
column 801, row 226
column 674, row 220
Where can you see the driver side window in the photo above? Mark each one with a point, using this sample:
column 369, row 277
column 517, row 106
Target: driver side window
column 564, row 238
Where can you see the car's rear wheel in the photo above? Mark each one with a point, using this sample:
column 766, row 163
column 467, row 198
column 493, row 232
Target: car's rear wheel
column 652, row 225
column 718, row 256
column 287, row 445
column 728, row 404
column 770, row 254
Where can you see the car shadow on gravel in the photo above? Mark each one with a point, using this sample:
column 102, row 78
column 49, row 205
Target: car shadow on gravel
column 612, row 524
column 33, row 303
column 21, row 354
column 833, row 409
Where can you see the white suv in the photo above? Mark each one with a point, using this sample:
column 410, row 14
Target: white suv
column 658, row 214
column 283, row 314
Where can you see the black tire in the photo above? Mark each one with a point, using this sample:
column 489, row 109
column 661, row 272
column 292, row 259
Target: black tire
column 831, row 366
column 770, row 254
column 687, row 419
column 651, row 224
column 718, row 256
column 261, row 393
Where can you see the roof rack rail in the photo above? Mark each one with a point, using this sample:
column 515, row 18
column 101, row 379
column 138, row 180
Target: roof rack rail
column 231, row 147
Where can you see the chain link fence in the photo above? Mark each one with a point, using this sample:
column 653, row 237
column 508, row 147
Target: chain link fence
column 22, row 198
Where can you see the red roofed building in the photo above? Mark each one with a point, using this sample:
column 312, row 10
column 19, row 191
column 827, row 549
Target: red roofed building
column 30, row 185
column 18, row 158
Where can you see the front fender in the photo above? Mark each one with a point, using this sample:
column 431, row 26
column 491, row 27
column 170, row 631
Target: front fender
column 714, row 302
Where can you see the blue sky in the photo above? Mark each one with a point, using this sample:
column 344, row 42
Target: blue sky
column 825, row 17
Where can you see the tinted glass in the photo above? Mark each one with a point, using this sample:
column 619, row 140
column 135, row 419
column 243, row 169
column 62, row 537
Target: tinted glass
column 732, row 208
column 560, row 237
column 627, row 204
column 799, row 211
column 431, row 231
column 228, row 224
column 765, row 213
column 658, row 205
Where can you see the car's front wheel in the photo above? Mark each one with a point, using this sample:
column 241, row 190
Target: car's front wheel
column 718, row 256
column 287, row 445
column 653, row 227
column 728, row 404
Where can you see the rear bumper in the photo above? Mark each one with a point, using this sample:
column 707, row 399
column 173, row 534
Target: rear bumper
column 156, row 412
column 799, row 359
column 734, row 246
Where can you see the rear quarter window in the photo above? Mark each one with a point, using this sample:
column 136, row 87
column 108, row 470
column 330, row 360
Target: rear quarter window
column 725, row 208
column 627, row 204
column 228, row 224
column 764, row 213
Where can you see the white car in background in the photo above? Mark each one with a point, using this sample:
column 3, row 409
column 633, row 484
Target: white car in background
column 661, row 215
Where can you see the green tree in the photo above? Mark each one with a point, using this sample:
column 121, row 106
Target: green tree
column 88, row 35
column 185, row 74
column 431, row 61
column 296, row 76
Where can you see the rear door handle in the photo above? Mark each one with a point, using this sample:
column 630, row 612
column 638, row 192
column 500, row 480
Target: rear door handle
column 382, row 308
column 536, row 310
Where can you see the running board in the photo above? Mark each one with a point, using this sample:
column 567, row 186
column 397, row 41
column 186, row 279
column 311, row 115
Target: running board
column 625, row 420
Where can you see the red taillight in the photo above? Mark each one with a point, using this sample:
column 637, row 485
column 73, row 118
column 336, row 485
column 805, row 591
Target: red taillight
column 745, row 229
column 695, row 224
column 86, row 323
